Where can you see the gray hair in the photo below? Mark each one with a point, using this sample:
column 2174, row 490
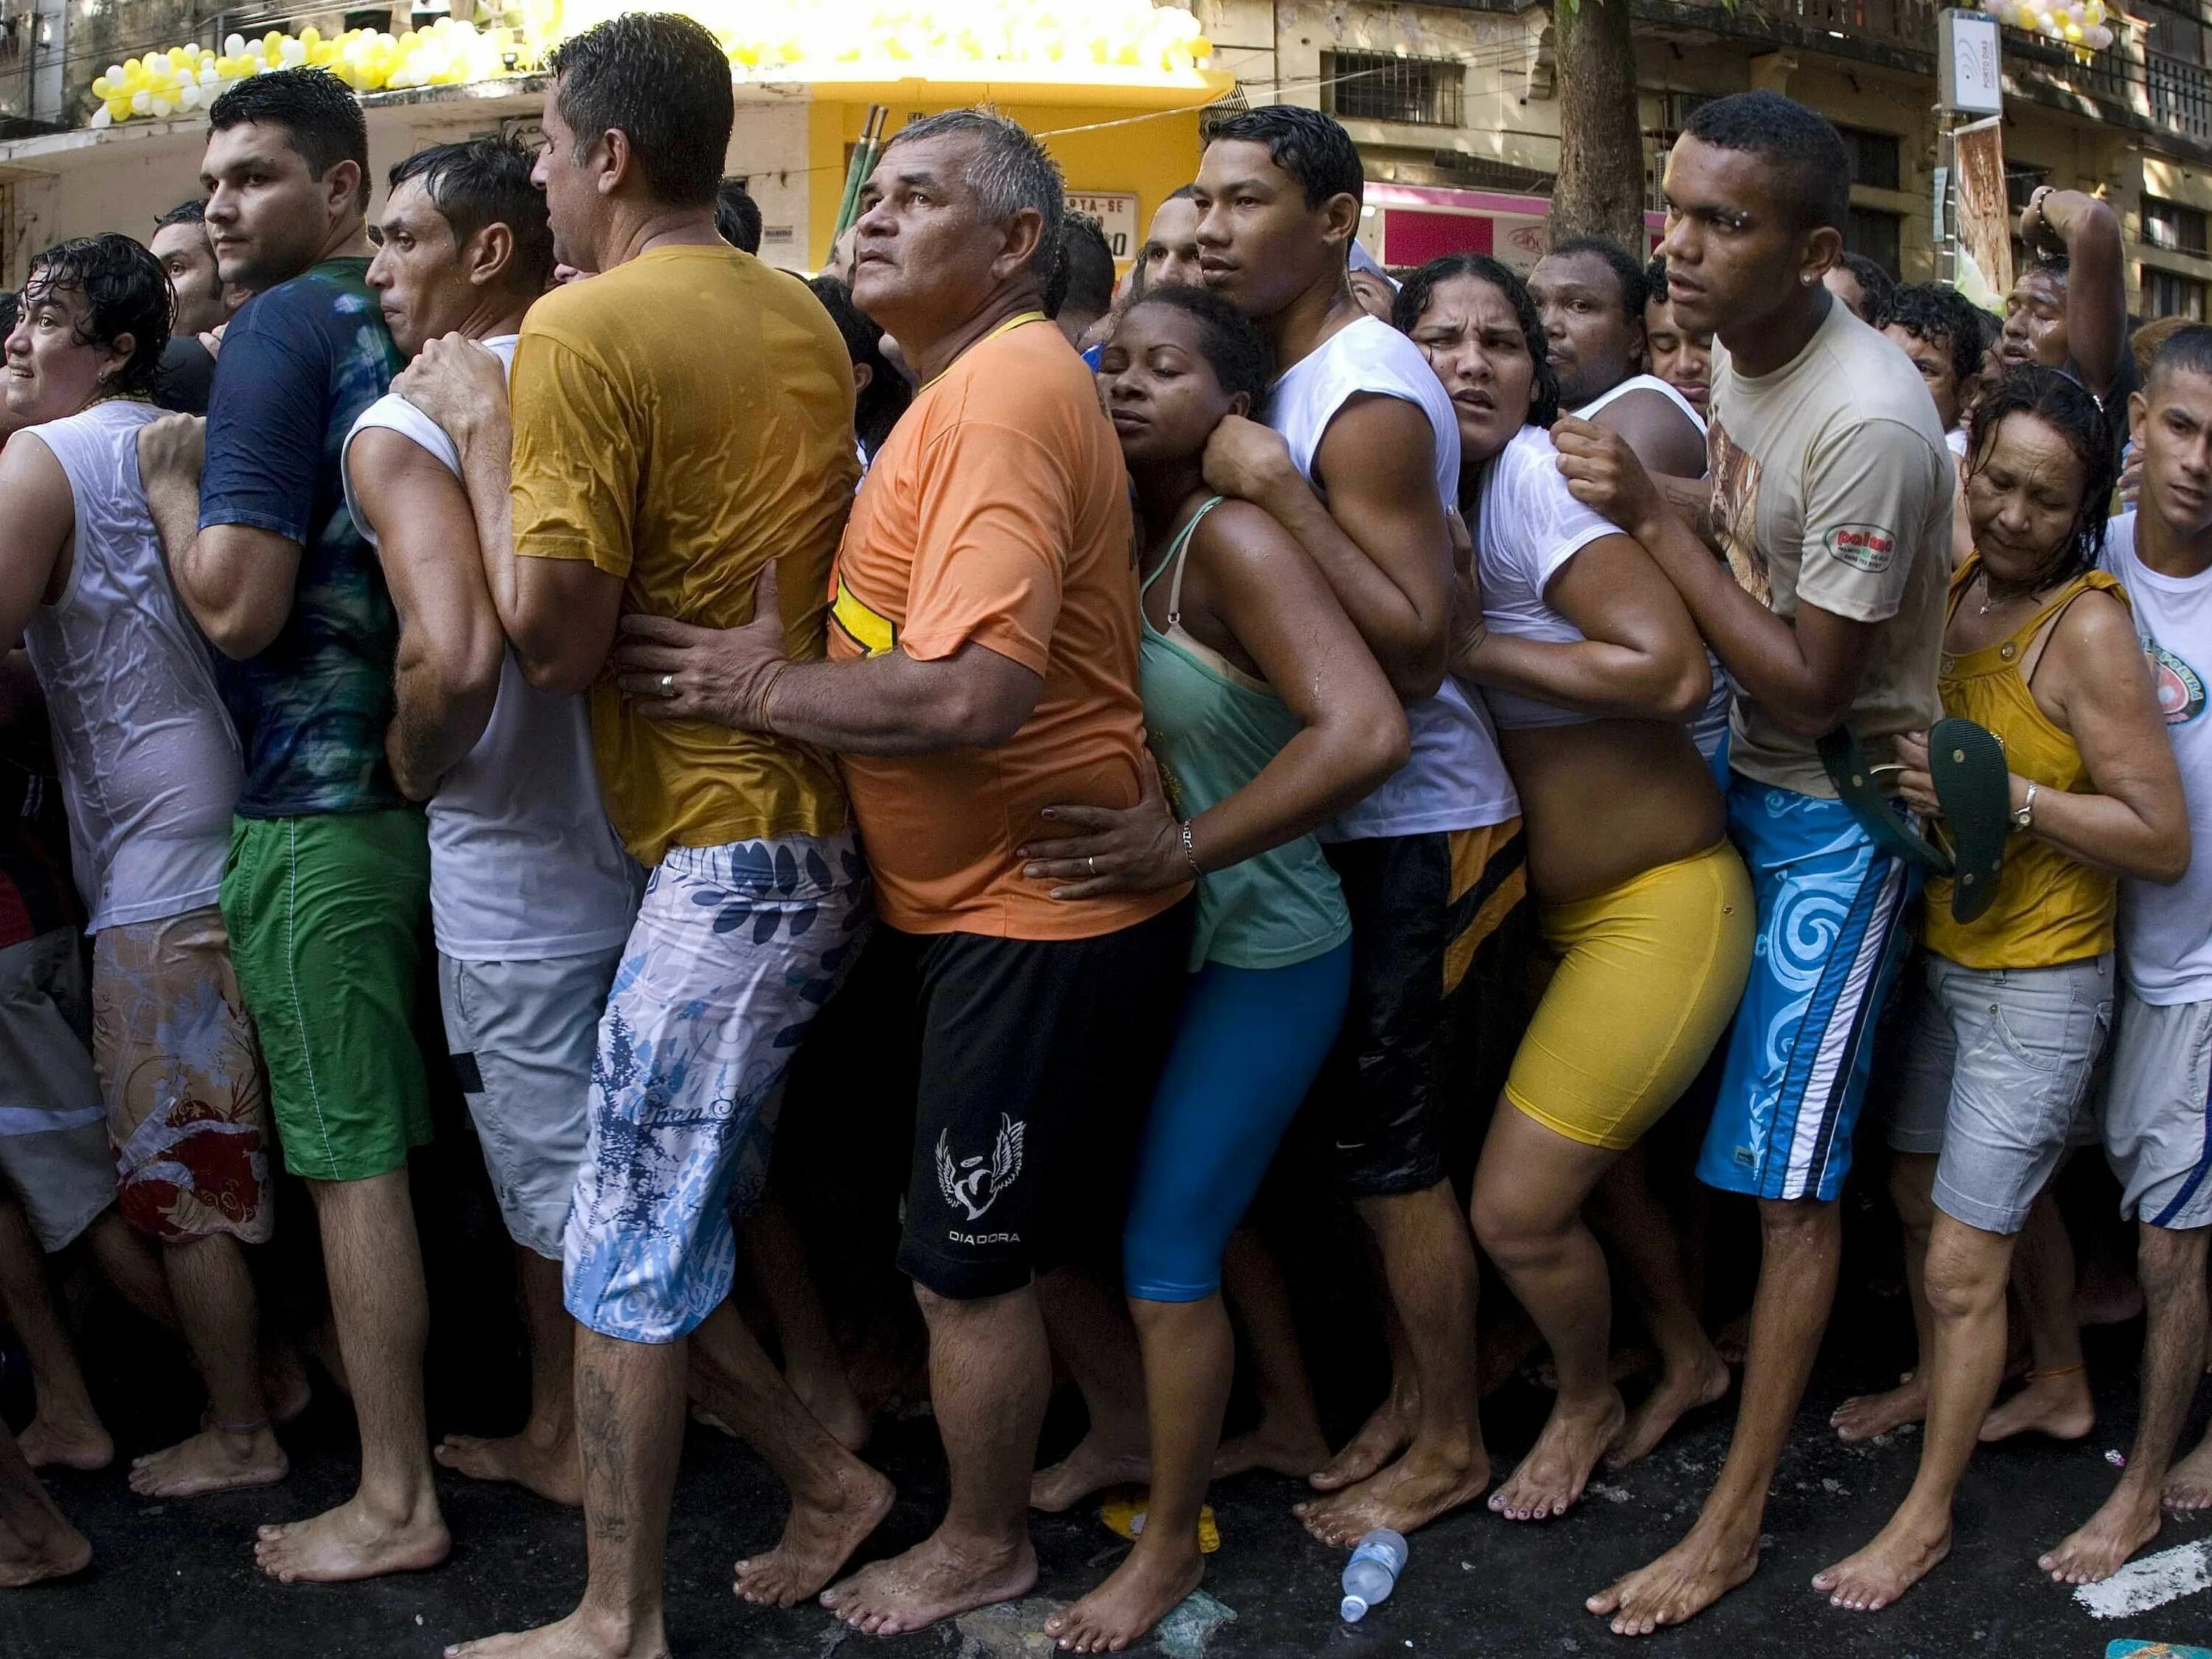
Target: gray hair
column 1009, row 171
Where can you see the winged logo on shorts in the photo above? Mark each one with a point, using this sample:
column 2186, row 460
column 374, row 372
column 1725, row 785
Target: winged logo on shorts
column 973, row 1185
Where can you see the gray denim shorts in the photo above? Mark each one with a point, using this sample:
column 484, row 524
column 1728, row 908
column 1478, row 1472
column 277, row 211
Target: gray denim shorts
column 1997, row 1069
column 2158, row 1127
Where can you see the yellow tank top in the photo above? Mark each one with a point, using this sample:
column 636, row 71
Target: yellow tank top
column 2050, row 908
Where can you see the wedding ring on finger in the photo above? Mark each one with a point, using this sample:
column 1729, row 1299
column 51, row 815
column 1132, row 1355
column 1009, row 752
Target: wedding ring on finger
column 668, row 685
column 1091, row 864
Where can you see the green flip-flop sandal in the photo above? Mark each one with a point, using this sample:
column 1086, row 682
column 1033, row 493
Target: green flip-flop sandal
column 1967, row 762
column 1858, row 786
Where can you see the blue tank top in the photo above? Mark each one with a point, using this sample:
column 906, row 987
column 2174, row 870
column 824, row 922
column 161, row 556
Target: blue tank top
column 1213, row 728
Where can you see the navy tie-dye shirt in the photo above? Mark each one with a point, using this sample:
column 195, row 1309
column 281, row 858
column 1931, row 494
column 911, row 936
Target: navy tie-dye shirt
column 298, row 366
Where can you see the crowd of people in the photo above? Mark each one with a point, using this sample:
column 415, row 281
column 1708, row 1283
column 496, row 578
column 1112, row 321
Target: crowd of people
column 1215, row 710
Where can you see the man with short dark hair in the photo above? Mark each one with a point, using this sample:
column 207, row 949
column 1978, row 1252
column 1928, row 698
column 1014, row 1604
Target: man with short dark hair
column 982, row 691
column 2068, row 309
column 1863, row 286
column 530, row 893
column 680, row 424
column 1945, row 335
column 1359, row 459
column 1081, row 292
column 328, row 870
column 1169, row 254
column 1591, row 294
column 736, row 215
column 204, row 304
column 1831, row 497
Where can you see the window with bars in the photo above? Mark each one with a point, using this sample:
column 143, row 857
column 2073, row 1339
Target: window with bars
column 2170, row 225
column 1375, row 86
column 1874, row 157
column 2169, row 294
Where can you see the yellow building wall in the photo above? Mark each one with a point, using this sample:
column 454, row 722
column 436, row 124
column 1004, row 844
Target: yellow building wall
column 1147, row 157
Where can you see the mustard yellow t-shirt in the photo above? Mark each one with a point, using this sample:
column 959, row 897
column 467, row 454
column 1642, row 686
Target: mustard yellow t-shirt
column 680, row 420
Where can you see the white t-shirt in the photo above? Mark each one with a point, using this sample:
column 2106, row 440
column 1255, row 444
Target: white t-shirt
column 1527, row 529
column 523, row 864
column 150, row 763
column 1454, row 780
column 2166, row 933
column 1641, row 383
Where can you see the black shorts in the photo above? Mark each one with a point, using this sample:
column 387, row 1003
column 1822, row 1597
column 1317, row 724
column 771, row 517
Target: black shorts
column 1422, row 908
column 1037, row 1061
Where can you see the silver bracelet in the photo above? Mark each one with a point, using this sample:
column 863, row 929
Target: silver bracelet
column 1189, row 854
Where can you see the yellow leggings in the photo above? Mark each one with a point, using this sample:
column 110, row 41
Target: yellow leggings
column 1650, row 973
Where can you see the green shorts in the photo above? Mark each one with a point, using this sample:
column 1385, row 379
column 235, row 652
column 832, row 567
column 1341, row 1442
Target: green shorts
column 325, row 915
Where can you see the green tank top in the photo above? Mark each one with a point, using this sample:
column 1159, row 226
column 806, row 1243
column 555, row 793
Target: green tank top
column 1213, row 728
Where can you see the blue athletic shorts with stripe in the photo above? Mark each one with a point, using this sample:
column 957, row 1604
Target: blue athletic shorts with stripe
column 1830, row 936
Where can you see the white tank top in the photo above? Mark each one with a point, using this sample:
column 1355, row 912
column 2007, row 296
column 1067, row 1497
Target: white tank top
column 150, row 764
column 1454, row 780
column 1526, row 529
column 1642, row 383
column 523, row 864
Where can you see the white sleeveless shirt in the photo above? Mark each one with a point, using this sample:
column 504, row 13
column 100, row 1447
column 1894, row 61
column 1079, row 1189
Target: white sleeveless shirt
column 524, row 865
column 1454, row 778
column 1642, row 383
column 150, row 763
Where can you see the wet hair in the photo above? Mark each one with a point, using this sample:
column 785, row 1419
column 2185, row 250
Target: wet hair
column 1009, row 171
column 1227, row 340
column 193, row 212
column 1419, row 288
column 125, row 292
column 877, row 409
column 1179, row 194
column 1877, row 288
column 2063, row 404
column 1803, row 151
column 663, row 81
column 2187, row 351
column 1934, row 312
column 1635, row 285
column 1085, row 278
column 736, row 215
column 486, row 182
column 320, row 116
column 1655, row 281
column 1314, row 149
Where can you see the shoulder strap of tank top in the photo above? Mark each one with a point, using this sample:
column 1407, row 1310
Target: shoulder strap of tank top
column 1961, row 578
column 1178, row 554
column 2036, row 634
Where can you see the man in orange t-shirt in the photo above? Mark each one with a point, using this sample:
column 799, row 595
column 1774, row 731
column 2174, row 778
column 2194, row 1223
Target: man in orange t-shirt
column 983, row 668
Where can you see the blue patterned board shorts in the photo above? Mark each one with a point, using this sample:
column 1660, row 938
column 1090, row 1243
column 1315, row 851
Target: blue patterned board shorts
column 735, row 951
column 1830, row 936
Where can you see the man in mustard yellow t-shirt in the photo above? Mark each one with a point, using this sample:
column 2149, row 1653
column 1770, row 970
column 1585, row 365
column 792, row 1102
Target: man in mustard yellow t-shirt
column 680, row 420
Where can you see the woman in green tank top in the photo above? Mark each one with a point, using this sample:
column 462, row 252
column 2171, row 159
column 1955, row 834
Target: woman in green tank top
column 1267, row 717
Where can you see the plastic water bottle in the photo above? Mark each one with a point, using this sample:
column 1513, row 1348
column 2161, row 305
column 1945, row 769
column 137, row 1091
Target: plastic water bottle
column 1372, row 1572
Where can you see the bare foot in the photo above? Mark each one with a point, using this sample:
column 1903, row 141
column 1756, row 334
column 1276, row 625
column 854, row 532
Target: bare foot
column 836, row 1408
column 214, row 1460
column 1902, row 1553
column 348, row 1542
column 1388, row 1431
column 1093, row 1465
column 1678, row 1586
column 1550, row 1480
column 1619, row 1365
column 551, row 1470
column 2059, row 1406
column 59, row 1551
column 934, row 1580
column 2189, row 1483
column 2128, row 1522
column 284, row 1383
column 1732, row 1342
column 576, row 1637
column 1405, row 1497
column 1678, row 1392
column 818, row 1541
column 1865, row 1415
column 1148, row 1585
column 47, row 1444
column 1282, row 1448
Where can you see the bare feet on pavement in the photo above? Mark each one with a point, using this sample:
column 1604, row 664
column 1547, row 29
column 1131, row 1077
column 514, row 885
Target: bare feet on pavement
column 214, row 1460
column 53, row 1549
column 934, row 1580
column 1678, row 1392
column 818, row 1541
column 349, row 1542
column 1865, row 1415
column 2189, row 1483
column 47, row 1444
column 1144, row 1590
column 2128, row 1522
column 1405, row 1497
column 1902, row 1553
column 551, row 1469
column 1093, row 1465
column 1549, row 1480
column 1388, row 1431
column 1678, row 1586
column 1280, row 1449
column 2059, row 1406
column 577, row 1637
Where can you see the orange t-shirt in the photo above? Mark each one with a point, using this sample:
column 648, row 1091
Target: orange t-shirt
column 998, row 512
